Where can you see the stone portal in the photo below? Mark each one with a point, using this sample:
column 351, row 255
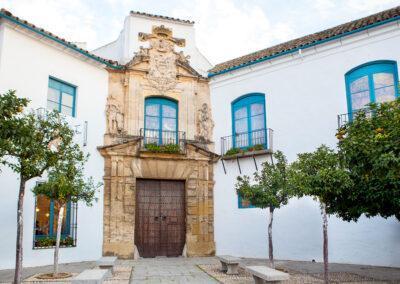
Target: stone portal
column 131, row 156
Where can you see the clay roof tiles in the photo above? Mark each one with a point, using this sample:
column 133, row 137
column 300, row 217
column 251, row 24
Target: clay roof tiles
column 315, row 38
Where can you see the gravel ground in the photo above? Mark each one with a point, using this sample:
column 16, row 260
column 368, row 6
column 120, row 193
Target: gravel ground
column 296, row 277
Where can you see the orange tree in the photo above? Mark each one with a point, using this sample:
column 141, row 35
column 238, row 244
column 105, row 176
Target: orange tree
column 66, row 182
column 320, row 175
column 27, row 147
column 369, row 147
column 269, row 190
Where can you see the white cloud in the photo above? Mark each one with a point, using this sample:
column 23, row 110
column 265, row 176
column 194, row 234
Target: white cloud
column 226, row 30
column 71, row 19
column 370, row 6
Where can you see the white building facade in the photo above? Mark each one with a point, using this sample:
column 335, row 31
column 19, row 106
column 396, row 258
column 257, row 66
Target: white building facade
column 305, row 90
column 298, row 91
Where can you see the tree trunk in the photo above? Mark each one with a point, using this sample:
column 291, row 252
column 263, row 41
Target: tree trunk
column 57, row 248
column 325, row 233
column 270, row 244
column 20, row 231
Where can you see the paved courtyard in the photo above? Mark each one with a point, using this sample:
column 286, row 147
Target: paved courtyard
column 191, row 270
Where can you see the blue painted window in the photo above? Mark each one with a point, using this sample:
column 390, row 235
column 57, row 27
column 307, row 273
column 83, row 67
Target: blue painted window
column 161, row 121
column 244, row 203
column 46, row 218
column 61, row 96
column 371, row 82
column 249, row 121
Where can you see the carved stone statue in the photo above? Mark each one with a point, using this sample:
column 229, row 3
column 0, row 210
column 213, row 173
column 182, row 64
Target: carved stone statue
column 115, row 117
column 205, row 125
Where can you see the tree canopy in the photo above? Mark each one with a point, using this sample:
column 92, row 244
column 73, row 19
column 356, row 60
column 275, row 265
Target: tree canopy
column 270, row 185
column 320, row 175
column 66, row 180
column 369, row 146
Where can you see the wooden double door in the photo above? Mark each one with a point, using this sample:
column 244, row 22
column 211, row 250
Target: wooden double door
column 160, row 217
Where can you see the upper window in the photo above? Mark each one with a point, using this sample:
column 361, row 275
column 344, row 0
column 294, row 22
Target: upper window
column 46, row 217
column 61, row 97
column 161, row 121
column 248, row 115
column 374, row 82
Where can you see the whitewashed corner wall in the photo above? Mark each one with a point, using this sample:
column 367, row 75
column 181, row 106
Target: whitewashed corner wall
column 25, row 65
column 304, row 94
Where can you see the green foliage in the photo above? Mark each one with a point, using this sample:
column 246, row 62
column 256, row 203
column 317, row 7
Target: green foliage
column 370, row 148
column 270, row 188
column 320, row 175
column 66, row 181
column 11, row 108
column 51, row 242
column 235, row 151
column 31, row 139
column 167, row 148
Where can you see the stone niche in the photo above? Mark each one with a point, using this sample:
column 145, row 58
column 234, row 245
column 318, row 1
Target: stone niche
column 124, row 163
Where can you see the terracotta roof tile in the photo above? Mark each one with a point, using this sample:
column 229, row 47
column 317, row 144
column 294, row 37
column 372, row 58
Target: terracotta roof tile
column 295, row 44
column 8, row 15
column 162, row 17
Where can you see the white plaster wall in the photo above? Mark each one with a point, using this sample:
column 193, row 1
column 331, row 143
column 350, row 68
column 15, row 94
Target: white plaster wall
column 128, row 43
column 26, row 65
column 303, row 95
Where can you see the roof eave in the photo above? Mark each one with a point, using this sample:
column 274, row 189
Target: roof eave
column 59, row 41
column 233, row 68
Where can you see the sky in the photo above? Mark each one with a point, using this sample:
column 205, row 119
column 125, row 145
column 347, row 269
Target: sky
column 225, row 29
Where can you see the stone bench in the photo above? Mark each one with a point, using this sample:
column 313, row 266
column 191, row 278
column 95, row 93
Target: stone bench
column 91, row 276
column 230, row 264
column 107, row 262
column 264, row 274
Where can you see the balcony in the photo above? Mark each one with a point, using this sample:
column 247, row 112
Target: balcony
column 345, row 118
column 163, row 141
column 247, row 144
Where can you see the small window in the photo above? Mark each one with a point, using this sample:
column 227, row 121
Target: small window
column 161, row 121
column 374, row 82
column 61, row 97
column 46, row 217
column 249, row 121
column 244, row 203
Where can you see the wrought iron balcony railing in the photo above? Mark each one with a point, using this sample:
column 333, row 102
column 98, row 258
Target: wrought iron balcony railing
column 261, row 139
column 163, row 140
column 346, row 118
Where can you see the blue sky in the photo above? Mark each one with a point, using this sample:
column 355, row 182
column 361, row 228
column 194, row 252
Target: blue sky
column 224, row 28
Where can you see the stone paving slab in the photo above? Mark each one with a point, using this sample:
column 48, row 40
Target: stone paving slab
column 170, row 270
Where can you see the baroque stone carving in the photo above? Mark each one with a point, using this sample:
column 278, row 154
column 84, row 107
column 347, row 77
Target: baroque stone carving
column 162, row 58
column 115, row 117
column 205, row 124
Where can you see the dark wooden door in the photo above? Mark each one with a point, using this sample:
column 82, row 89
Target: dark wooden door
column 160, row 217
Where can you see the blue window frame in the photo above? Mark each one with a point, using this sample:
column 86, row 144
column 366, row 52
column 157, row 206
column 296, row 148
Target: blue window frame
column 61, row 96
column 46, row 217
column 249, row 121
column 161, row 121
column 372, row 82
column 244, row 203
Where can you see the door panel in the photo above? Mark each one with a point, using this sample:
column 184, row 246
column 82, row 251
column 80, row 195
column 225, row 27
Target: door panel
column 147, row 224
column 173, row 217
column 160, row 218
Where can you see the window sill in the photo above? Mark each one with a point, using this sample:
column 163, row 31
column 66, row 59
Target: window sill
column 247, row 154
column 52, row 247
